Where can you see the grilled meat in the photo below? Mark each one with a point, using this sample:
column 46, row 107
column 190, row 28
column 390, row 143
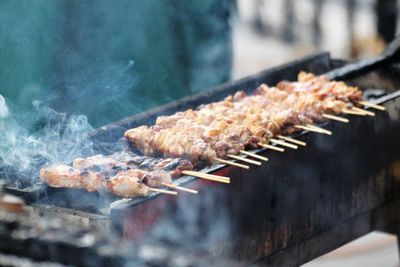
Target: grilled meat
column 61, row 175
column 212, row 130
column 124, row 173
column 121, row 161
column 240, row 121
column 128, row 184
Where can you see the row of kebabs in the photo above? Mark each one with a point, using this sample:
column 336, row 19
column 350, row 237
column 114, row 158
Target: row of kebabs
column 242, row 121
column 192, row 138
column 123, row 173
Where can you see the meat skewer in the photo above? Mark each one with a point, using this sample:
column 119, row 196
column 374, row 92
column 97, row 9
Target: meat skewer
column 112, row 174
column 284, row 109
column 292, row 140
column 254, row 155
column 160, row 171
column 127, row 184
column 175, row 167
column 130, row 183
column 211, row 134
column 372, row 105
column 335, row 118
column 283, row 143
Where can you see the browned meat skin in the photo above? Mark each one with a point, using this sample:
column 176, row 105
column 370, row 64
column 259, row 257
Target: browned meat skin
column 152, row 175
column 322, row 86
column 61, row 175
column 93, row 181
column 121, row 161
column 128, row 184
column 170, row 144
column 312, row 105
column 99, row 171
column 208, row 123
column 240, row 121
column 156, row 178
column 219, row 124
column 264, row 112
column 174, row 166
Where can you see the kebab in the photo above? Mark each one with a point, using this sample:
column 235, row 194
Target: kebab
column 311, row 100
column 129, row 183
column 116, row 175
column 274, row 112
column 159, row 171
column 112, row 173
column 248, row 119
column 223, row 135
column 242, row 123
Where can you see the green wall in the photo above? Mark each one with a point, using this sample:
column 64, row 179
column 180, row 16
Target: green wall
column 110, row 59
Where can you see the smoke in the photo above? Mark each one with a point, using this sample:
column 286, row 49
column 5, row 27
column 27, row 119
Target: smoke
column 51, row 130
column 103, row 92
column 61, row 138
column 206, row 220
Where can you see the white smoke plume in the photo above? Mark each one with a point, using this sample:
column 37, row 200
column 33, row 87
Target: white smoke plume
column 60, row 139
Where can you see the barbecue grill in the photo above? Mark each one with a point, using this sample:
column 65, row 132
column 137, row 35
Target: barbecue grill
column 301, row 204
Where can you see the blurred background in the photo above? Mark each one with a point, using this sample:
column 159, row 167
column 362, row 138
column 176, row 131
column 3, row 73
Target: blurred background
column 281, row 30
column 111, row 59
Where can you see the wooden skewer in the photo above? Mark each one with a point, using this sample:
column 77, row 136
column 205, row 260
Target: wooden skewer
column 177, row 187
column 245, row 159
column 353, row 112
column 369, row 113
column 302, row 127
column 254, row 155
column 295, row 141
column 372, row 105
column 283, row 143
column 272, row 147
column 163, row 191
column 232, row 163
column 211, row 177
column 335, row 118
column 319, row 128
column 359, row 110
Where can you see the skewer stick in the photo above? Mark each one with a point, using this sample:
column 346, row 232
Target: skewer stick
column 272, row 147
column 254, row 155
column 372, row 105
column 181, row 188
column 283, row 143
column 232, row 163
column 295, row 141
column 211, row 177
column 353, row 112
column 319, row 128
column 335, row 118
column 245, row 159
column 163, row 191
column 369, row 113
column 302, row 127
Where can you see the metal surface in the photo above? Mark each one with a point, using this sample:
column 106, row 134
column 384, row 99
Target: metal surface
column 296, row 196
